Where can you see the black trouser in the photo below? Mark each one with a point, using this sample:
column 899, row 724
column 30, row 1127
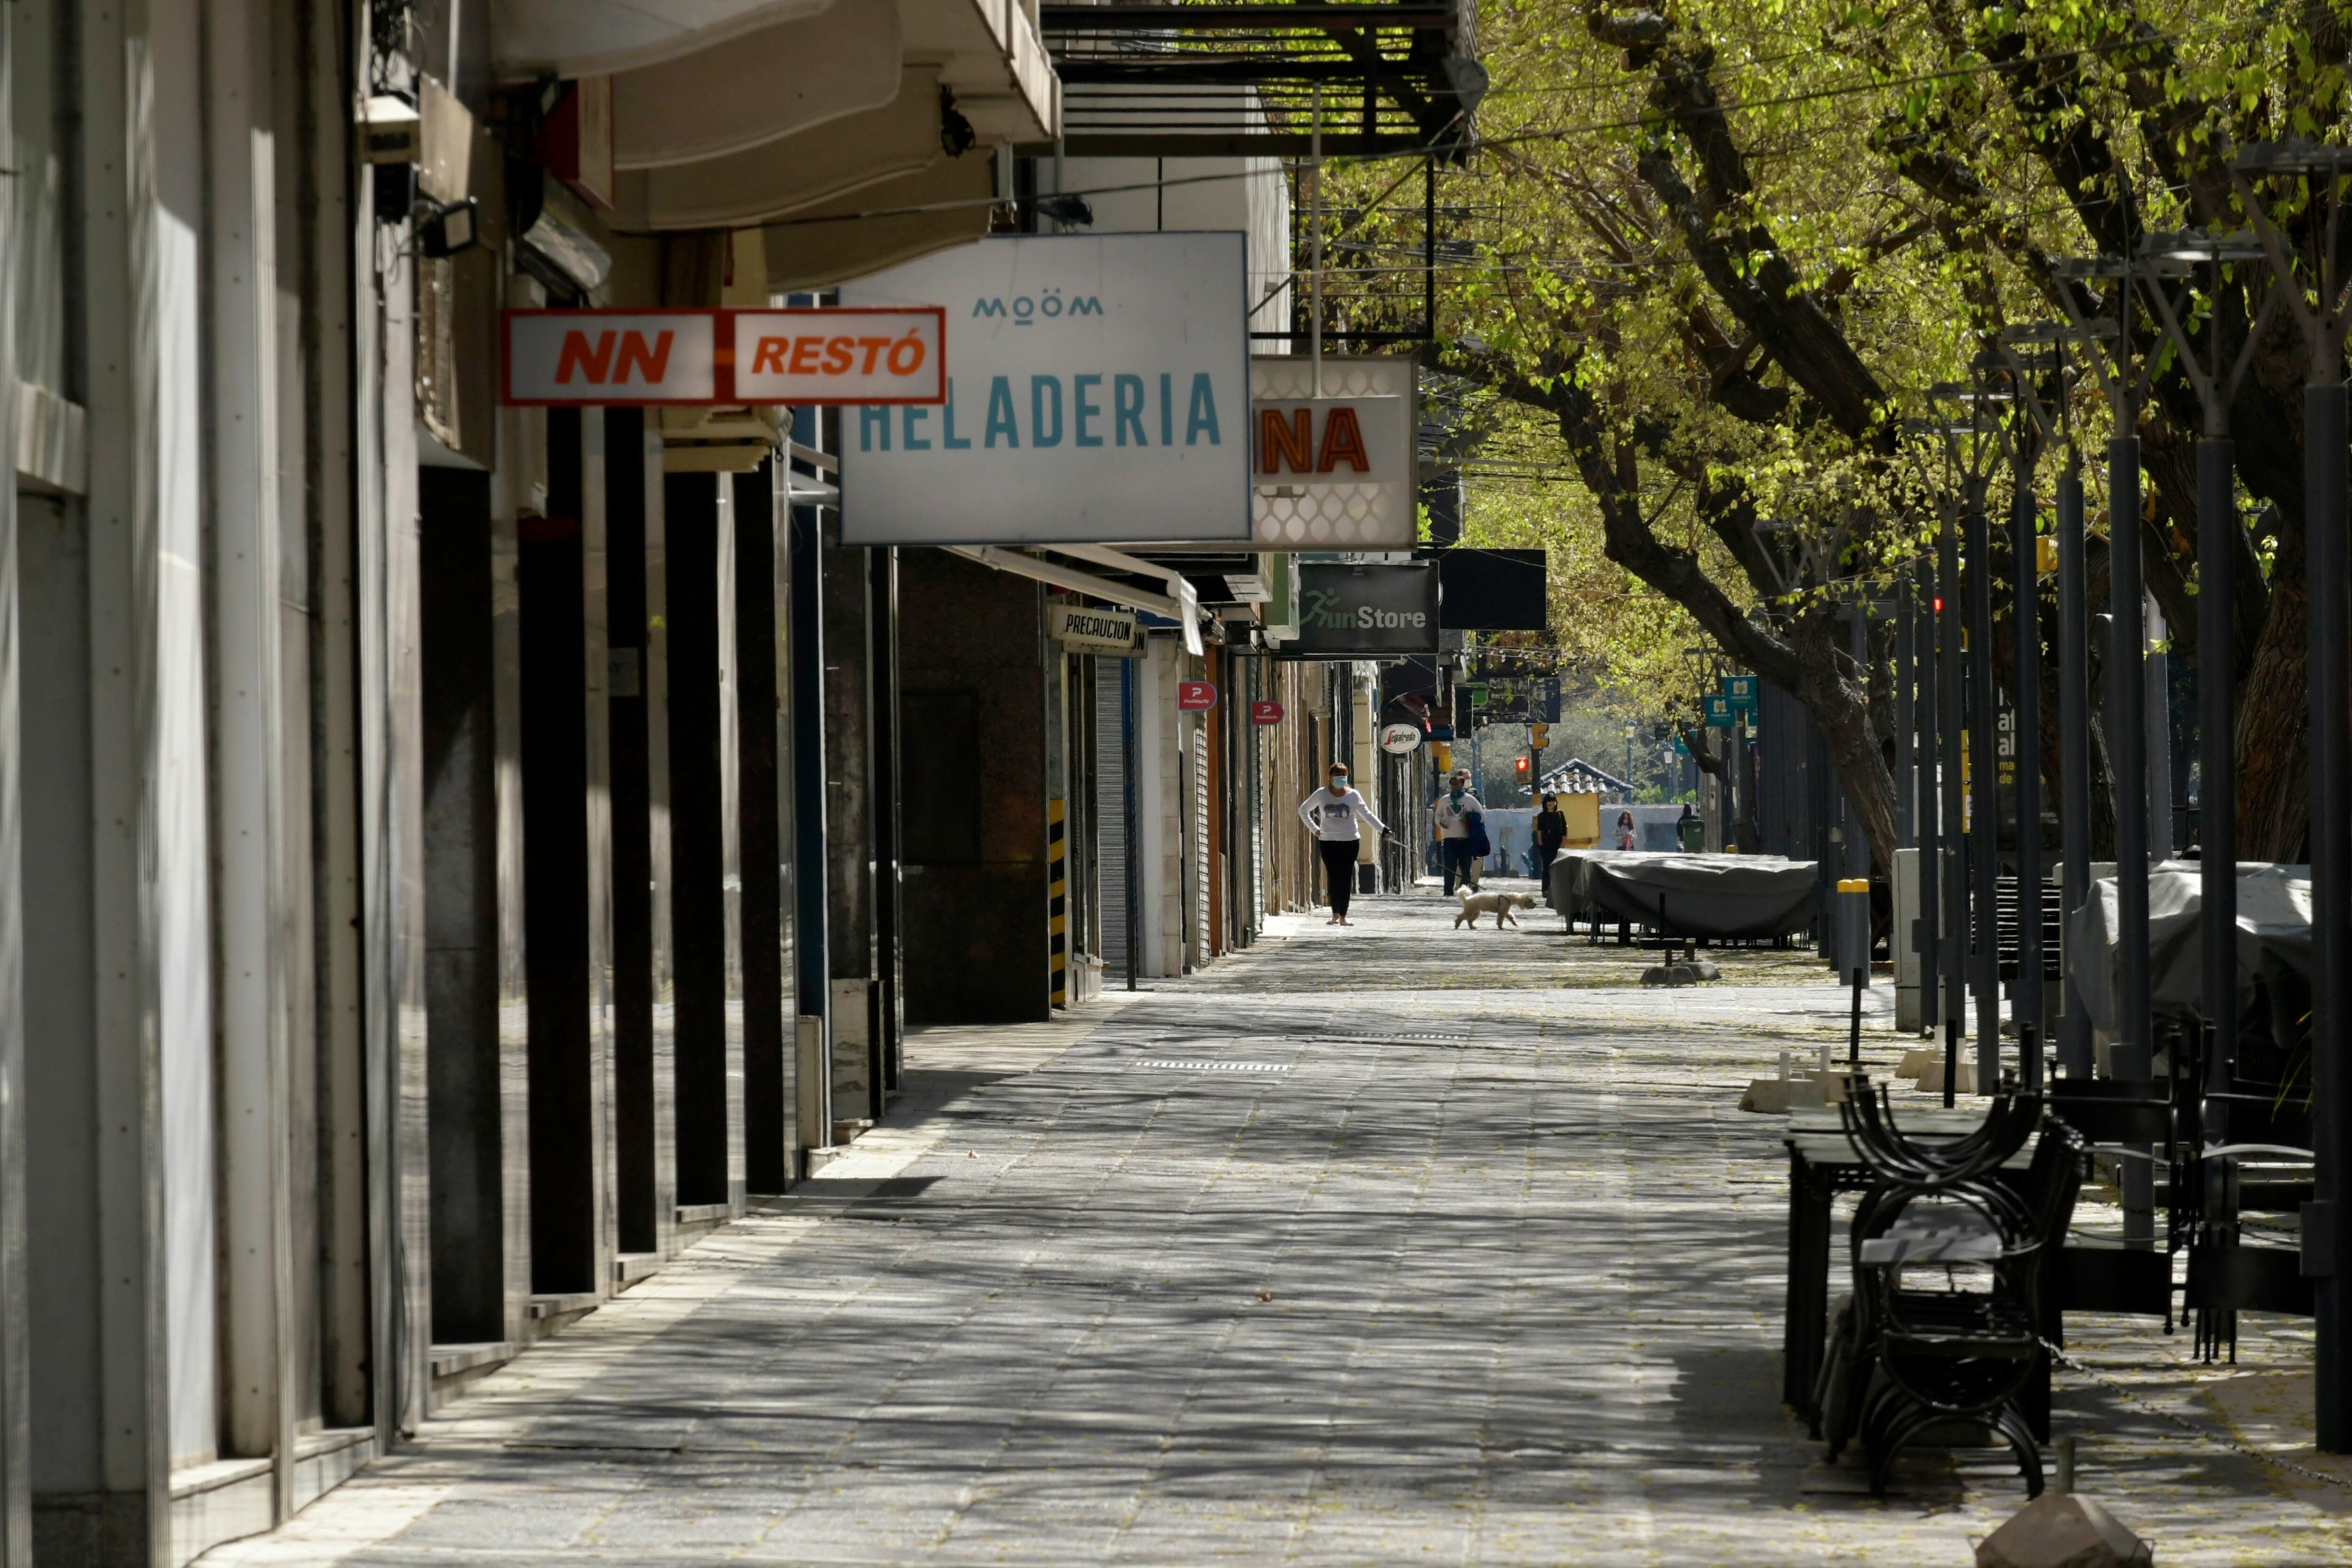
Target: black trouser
column 1545, row 855
column 1338, row 871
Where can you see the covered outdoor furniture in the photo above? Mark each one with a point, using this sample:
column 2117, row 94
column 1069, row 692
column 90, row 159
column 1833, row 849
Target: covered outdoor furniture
column 2273, row 934
column 1711, row 896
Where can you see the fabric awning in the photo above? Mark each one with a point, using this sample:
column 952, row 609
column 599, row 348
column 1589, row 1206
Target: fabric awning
column 591, row 37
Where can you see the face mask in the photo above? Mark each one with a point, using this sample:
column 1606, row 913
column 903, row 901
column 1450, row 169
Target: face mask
column 1340, row 784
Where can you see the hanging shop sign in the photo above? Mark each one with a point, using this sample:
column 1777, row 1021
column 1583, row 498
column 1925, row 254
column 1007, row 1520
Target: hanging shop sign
column 1740, row 689
column 584, row 359
column 1400, row 740
column 1092, row 630
column 1371, row 611
column 1265, row 712
column 1195, row 697
column 1718, row 710
column 1333, row 465
column 1098, row 393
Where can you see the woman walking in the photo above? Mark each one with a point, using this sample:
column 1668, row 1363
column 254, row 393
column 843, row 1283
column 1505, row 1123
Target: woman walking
column 1332, row 814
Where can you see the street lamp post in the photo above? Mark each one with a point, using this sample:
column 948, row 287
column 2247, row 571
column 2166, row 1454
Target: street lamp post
column 2030, row 431
column 2216, row 362
column 1973, row 445
column 2320, row 172
column 1930, row 832
column 2134, row 1055
column 2075, row 1053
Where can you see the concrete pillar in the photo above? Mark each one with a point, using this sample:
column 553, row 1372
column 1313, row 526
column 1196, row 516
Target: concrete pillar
column 972, row 726
column 701, row 596
column 465, row 1050
column 644, row 995
column 566, row 850
column 849, row 828
column 110, row 813
column 16, row 1371
column 814, row 1057
column 251, row 902
column 769, row 1125
column 886, row 779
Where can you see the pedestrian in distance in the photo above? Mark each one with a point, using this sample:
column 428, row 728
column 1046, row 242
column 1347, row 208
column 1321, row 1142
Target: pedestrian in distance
column 1691, row 831
column 1625, row 830
column 1551, row 832
column 1456, row 814
column 1332, row 814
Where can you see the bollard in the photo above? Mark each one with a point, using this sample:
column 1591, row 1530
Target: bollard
column 2064, row 1484
column 1853, row 952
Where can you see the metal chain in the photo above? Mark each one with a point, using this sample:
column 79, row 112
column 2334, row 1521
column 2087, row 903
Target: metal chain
column 2134, row 1400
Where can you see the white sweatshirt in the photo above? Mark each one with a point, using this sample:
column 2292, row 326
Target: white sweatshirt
column 1339, row 814
column 1448, row 816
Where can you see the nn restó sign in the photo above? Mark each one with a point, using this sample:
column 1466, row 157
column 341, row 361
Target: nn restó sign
column 820, row 356
column 1371, row 611
column 1098, row 391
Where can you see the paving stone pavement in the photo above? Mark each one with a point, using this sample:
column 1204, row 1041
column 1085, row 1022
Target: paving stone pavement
column 1392, row 1244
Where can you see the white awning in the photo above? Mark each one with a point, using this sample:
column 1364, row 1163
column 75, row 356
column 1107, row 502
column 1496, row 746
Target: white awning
column 782, row 177
column 827, row 243
column 591, row 37
column 1179, row 605
column 758, row 89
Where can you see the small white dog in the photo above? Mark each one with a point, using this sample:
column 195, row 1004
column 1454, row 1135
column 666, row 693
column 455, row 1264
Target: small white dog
column 1500, row 905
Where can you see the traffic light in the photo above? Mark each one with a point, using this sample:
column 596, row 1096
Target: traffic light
column 1539, row 736
column 1522, row 766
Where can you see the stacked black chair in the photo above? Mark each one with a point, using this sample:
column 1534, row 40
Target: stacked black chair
column 1912, row 1359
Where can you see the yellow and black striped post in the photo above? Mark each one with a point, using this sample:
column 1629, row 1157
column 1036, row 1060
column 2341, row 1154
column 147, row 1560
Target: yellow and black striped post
column 1057, row 901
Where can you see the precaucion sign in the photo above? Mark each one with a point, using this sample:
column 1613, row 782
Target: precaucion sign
column 894, row 356
column 1096, row 630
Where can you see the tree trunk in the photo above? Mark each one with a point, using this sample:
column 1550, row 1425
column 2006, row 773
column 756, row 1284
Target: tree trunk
column 2274, row 723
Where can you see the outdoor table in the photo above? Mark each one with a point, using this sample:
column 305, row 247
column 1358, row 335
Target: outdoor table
column 1822, row 1165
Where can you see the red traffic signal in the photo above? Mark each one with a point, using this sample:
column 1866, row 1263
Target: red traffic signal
column 1522, row 766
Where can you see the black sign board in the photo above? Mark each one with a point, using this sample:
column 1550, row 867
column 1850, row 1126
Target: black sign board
column 1494, row 589
column 1372, row 611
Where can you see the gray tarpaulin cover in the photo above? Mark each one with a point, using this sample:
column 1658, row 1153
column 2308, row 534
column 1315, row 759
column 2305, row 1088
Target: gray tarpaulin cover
column 2273, row 934
column 1704, row 895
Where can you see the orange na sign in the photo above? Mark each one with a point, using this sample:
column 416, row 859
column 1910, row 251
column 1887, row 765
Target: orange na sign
column 811, row 357
column 1331, row 440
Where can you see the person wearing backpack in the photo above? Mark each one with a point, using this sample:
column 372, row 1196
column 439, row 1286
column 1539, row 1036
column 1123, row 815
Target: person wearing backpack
column 1461, row 822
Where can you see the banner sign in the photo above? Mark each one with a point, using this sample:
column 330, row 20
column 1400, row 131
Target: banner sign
column 587, row 359
column 1334, row 466
column 1099, row 393
column 1371, row 611
column 1096, row 630
column 1195, row 697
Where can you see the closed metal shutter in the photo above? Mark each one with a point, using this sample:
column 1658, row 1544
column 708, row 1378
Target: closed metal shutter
column 1202, row 860
column 1111, row 678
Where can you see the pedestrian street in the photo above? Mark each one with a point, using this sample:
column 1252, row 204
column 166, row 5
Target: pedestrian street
column 1389, row 1244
